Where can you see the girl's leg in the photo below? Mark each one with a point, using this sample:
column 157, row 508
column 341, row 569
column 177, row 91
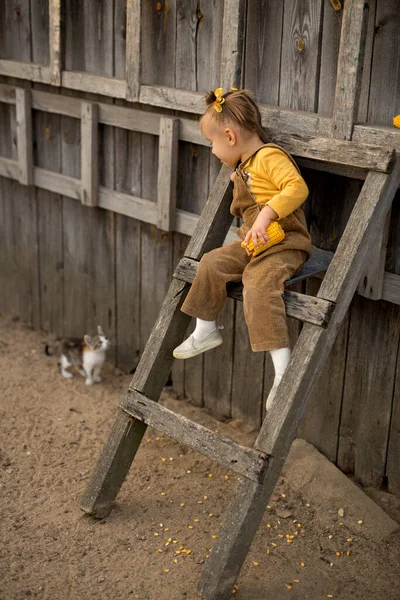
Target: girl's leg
column 280, row 358
column 207, row 297
column 264, row 307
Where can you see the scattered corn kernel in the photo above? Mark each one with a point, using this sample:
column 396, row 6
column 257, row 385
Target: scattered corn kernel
column 296, row 580
column 360, row 522
column 340, row 524
column 205, row 497
column 190, row 526
column 348, row 553
column 283, row 495
column 169, row 540
column 210, row 475
column 235, row 587
column 188, row 552
column 211, row 514
column 331, row 565
column 298, row 525
column 329, row 596
column 214, row 537
column 350, row 539
column 155, row 534
column 188, row 471
column 338, row 553
column 167, row 544
column 148, row 441
column 330, row 536
column 206, row 555
column 226, row 477
column 164, row 459
column 199, row 501
column 308, row 505
column 157, row 438
column 233, row 592
column 289, row 586
column 182, row 504
column 274, row 545
column 178, row 552
column 166, row 570
column 296, row 533
column 256, row 564
column 175, row 560
column 302, row 564
column 174, row 541
column 268, row 525
column 281, row 535
column 181, row 547
column 268, row 552
column 268, row 506
column 196, row 520
column 159, row 550
column 166, row 528
column 163, row 493
column 289, row 541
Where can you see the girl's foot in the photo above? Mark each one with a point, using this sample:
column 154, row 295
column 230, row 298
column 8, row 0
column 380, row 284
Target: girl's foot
column 193, row 347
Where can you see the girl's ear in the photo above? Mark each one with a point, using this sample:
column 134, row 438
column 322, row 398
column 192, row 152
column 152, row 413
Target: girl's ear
column 231, row 136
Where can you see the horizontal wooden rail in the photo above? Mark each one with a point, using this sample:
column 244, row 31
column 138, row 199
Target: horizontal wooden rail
column 299, row 306
column 244, row 461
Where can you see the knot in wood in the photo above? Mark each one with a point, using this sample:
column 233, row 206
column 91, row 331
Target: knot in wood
column 300, row 44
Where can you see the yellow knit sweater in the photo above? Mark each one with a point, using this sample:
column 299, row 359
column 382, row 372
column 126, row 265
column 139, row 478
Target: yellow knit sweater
column 273, row 179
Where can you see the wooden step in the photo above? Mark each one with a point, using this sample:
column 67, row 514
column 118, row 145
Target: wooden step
column 250, row 463
column 305, row 308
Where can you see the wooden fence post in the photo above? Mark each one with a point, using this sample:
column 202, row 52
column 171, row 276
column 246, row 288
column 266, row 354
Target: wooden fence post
column 24, row 135
column 133, row 44
column 167, row 173
column 89, row 154
column 55, row 41
column 232, row 46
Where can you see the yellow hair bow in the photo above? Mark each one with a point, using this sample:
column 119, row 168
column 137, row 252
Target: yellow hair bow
column 219, row 100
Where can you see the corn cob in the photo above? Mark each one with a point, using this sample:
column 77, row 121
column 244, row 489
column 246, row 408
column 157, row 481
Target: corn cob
column 275, row 235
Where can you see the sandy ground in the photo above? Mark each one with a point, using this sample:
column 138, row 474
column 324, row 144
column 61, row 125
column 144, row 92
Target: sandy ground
column 51, row 434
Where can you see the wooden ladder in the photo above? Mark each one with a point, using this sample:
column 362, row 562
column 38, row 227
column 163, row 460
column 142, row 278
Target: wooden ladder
column 259, row 467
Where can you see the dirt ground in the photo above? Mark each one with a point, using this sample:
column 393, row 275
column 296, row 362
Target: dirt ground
column 156, row 540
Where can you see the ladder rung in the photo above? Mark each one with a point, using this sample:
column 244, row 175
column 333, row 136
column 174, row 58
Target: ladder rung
column 245, row 461
column 299, row 306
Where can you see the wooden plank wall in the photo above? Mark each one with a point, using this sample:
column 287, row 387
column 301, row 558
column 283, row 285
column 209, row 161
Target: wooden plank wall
column 87, row 266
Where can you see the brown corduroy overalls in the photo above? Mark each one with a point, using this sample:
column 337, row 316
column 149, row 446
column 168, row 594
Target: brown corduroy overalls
column 263, row 276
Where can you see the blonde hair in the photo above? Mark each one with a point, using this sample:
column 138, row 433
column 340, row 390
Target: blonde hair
column 238, row 107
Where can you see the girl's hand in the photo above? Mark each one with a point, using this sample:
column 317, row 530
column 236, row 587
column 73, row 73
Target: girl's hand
column 257, row 232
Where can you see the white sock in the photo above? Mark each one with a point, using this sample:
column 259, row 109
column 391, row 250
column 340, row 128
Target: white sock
column 203, row 329
column 280, row 358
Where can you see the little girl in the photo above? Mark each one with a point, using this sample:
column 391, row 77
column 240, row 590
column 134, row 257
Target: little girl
column 267, row 187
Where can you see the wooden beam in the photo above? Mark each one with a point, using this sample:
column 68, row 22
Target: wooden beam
column 232, row 47
column 13, row 68
column 350, row 62
column 133, row 43
column 57, row 183
column 340, row 152
column 24, row 136
column 301, row 307
column 55, row 41
column 89, row 154
column 244, row 461
column 106, row 86
column 167, row 173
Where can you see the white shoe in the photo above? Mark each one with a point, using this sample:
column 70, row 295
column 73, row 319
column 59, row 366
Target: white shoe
column 192, row 347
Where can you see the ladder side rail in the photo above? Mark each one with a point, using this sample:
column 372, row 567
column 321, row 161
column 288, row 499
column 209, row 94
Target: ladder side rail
column 278, row 431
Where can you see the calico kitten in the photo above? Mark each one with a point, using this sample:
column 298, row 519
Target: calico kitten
column 86, row 355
